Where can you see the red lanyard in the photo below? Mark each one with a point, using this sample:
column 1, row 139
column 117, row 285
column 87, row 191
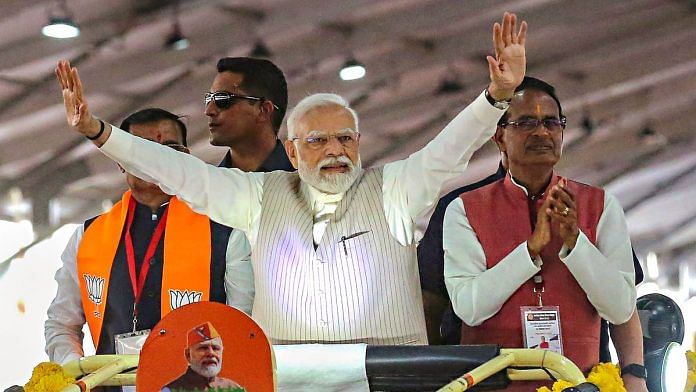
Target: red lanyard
column 538, row 278
column 149, row 254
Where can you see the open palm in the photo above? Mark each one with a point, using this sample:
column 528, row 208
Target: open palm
column 508, row 67
column 76, row 110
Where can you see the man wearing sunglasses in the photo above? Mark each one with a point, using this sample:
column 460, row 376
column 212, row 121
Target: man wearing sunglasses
column 245, row 108
column 552, row 241
column 333, row 246
column 125, row 269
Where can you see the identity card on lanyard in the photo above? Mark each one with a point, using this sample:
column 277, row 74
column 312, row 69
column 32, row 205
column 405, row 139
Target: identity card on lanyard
column 541, row 325
column 132, row 342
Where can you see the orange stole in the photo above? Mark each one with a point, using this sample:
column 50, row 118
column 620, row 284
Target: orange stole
column 187, row 258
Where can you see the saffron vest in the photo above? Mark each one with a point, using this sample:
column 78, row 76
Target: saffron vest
column 500, row 215
column 185, row 274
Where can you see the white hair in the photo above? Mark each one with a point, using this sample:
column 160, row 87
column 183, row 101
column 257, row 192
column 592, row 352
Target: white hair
column 316, row 101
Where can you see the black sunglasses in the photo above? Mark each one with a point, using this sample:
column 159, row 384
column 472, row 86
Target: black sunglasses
column 223, row 99
column 178, row 147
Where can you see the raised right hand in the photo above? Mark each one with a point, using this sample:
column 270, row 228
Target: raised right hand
column 76, row 110
column 542, row 230
column 508, row 67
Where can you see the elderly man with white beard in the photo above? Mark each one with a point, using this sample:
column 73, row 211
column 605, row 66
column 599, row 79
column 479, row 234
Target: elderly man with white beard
column 204, row 355
column 333, row 245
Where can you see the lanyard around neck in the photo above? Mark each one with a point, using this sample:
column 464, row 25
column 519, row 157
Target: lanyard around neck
column 538, row 279
column 139, row 282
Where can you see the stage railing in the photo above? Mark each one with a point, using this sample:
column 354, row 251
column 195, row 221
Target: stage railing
column 388, row 368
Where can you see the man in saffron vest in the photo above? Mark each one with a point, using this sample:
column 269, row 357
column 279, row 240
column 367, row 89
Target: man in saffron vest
column 150, row 254
column 534, row 236
column 333, row 246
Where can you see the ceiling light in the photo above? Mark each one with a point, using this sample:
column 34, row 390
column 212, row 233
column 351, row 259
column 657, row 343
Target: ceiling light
column 60, row 22
column 60, row 28
column 352, row 70
column 260, row 50
column 650, row 137
column 17, row 206
column 587, row 124
column 449, row 86
column 176, row 39
column 647, row 132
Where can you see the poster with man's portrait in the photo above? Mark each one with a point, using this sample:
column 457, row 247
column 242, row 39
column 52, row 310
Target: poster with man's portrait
column 206, row 346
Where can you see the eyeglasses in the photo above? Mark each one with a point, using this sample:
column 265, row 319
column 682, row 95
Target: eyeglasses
column 178, row 147
column 318, row 140
column 224, row 99
column 530, row 124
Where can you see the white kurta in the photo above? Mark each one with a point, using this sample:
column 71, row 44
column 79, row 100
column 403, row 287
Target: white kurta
column 234, row 198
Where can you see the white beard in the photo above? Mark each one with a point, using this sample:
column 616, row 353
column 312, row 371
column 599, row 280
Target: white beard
column 329, row 183
column 208, row 371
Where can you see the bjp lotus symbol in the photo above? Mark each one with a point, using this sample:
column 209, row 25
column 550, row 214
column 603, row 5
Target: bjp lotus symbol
column 95, row 290
column 179, row 298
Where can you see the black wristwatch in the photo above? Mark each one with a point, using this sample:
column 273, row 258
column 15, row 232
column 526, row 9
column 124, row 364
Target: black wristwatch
column 635, row 370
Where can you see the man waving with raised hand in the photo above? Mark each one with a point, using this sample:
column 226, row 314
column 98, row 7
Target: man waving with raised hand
column 333, row 244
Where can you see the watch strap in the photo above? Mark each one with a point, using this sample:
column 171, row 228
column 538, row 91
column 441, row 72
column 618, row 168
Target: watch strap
column 101, row 131
column 636, row 370
column 497, row 104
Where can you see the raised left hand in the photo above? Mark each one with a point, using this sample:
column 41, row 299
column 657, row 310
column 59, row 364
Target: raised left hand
column 508, row 67
column 564, row 211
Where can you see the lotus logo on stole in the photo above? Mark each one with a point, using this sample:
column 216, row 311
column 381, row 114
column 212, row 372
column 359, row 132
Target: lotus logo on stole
column 179, row 298
column 95, row 290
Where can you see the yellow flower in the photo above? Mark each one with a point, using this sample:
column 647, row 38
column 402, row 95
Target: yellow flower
column 691, row 360
column 691, row 375
column 48, row 377
column 607, row 377
column 690, row 381
column 558, row 386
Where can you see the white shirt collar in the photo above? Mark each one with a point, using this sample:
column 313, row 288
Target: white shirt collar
column 526, row 193
column 317, row 199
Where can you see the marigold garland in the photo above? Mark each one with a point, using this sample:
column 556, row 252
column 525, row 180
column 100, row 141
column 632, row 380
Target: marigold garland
column 236, row 389
column 558, row 386
column 691, row 375
column 606, row 376
column 48, row 377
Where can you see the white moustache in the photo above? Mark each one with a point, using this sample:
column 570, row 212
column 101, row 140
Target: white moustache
column 334, row 160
